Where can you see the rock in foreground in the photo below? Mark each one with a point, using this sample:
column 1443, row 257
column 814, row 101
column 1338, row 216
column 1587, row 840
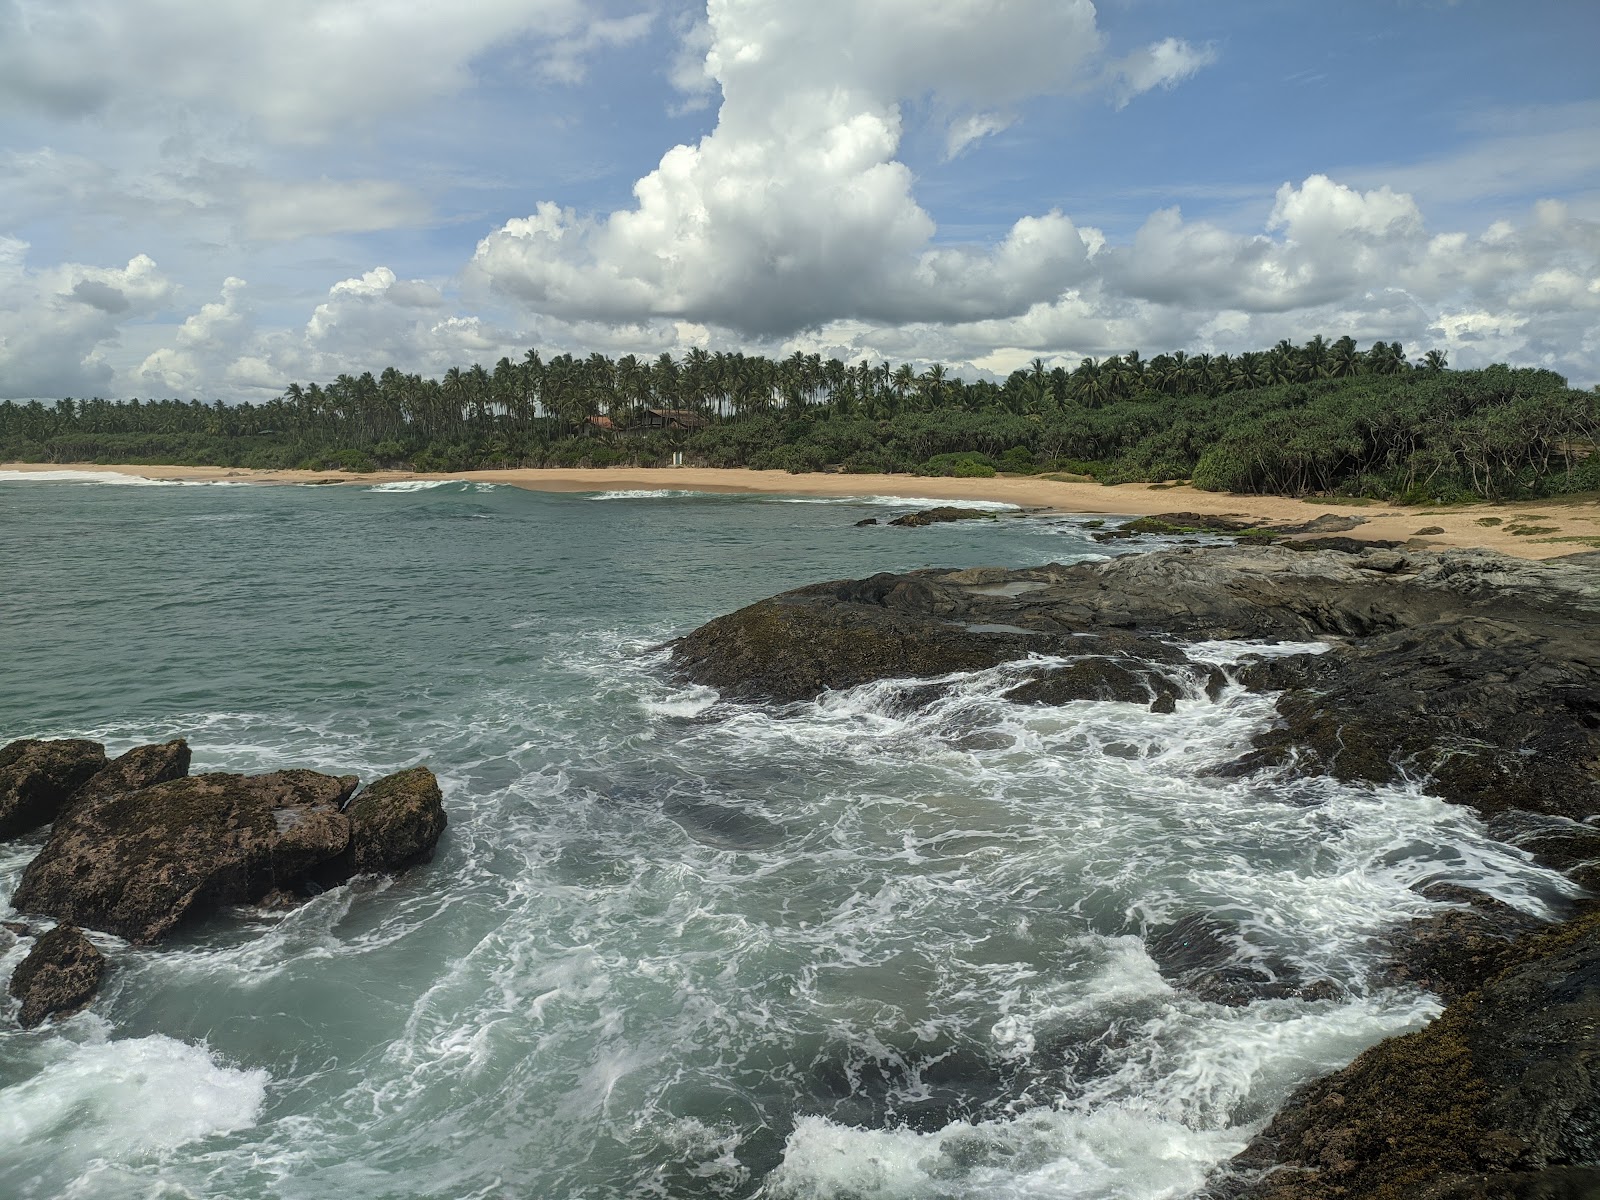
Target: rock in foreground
column 138, row 864
column 60, row 976
column 1500, row 1097
column 37, row 777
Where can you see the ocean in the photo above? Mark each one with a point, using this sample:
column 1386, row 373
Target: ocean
column 670, row 946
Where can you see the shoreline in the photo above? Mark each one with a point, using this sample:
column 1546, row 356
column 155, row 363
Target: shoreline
column 1459, row 528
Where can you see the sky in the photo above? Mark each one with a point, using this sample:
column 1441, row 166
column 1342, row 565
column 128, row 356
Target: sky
column 213, row 200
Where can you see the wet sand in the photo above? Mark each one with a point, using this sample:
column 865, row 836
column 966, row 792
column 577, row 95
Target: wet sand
column 1492, row 526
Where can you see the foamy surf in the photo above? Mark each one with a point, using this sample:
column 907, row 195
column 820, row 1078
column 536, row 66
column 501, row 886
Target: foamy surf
column 129, row 1100
column 430, row 485
column 672, row 944
column 775, row 498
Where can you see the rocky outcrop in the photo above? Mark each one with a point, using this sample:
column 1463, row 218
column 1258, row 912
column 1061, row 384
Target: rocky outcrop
column 60, row 975
column 1500, row 1097
column 37, row 777
column 1477, row 670
column 141, row 863
column 394, row 822
column 141, row 767
column 1451, row 952
column 940, row 515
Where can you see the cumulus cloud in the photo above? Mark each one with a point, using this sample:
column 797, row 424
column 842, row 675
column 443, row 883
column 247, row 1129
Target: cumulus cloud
column 795, row 210
column 57, row 324
column 207, row 340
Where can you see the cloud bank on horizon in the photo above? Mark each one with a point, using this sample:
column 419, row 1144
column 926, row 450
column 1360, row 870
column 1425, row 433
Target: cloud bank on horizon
column 214, row 201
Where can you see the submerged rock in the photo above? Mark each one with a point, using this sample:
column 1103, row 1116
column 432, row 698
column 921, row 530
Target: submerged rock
column 1209, row 958
column 140, row 863
column 59, row 977
column 37, row 777
column 1129, row 680
column 1497, row 1098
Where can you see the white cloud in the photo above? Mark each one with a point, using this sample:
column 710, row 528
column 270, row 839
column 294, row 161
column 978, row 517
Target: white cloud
column 297, row 67
column 204, row 343
column 795, row 209
column 57, row 324
column 972, row 128
column 1163, row 64
column 283, row 211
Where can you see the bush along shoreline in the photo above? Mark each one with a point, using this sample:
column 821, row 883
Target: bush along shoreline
column 1322, row 418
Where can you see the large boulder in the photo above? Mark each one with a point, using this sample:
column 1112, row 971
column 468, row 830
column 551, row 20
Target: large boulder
column 60, row 976
column 394, row 822
column 138, row 864
column 37, row 777
column 1499, row 1097
column 141, row 863
column 141, row 767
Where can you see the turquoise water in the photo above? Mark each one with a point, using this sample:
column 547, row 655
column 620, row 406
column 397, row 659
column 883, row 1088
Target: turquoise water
column 670, row 946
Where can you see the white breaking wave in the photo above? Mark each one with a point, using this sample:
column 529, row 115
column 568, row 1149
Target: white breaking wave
column 771, row 498
column 123, row 1100
column 425, row 485
column 116, row 478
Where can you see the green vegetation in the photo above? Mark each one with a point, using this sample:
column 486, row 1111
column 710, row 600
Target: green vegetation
column 1323, row 418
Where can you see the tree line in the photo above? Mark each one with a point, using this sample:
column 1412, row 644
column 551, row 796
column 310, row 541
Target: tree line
column 1318, row 417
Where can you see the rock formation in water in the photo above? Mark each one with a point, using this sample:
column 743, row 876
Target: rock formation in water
column 59, row 976
column 1478, row 669
column 941, row 515
column 1498, row 1098
column 37, row 777
column 139, row 863
column 1476, row 673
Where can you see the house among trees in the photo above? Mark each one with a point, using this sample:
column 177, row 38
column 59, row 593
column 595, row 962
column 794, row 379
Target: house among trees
column 672, row 418
column 597, row 427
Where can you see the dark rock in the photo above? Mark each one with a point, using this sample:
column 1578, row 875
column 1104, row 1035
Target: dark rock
column 1453, row 952
column 1129, row 681
column 1476, row 670
column 141, row 767
column 1502, row 711
column 868, row 521
column 1428, row 531
column 37, row 777
column 785, row 651
column 395, row 822
column 1340, row 545
column 936, row 516
column 1209, row 958
column 1498, row 1097
column 59, row 977
column 1327, row 523
column 138, row 864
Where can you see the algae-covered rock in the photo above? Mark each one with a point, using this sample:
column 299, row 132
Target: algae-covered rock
column 138, row 864
column 783, row 651
column 394, row 822
column 1498, row 1097
column 940, row 515
column 37, row 777
column 60, row 976
column 1129, row 681
column 141, row 767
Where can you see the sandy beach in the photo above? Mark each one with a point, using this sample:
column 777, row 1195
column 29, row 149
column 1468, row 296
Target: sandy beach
column 1529, row 529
